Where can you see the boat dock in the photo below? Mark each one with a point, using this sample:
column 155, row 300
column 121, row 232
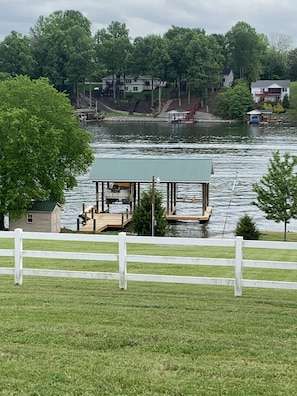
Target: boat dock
column 98, row 222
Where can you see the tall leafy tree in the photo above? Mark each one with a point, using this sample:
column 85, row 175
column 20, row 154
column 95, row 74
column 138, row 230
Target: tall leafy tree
column 205, row 62
column 247, row 49
column 277, row 190
column 292, row 64
column 16, row 55
column 63, row 47
column 177, row 41
column 113, row 46
column 42, row 148
column 151, row 58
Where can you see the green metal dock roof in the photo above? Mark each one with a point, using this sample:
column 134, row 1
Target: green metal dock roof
column 181, row 170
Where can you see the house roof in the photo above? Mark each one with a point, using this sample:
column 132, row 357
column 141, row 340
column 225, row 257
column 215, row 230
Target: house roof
column 190, row 170
column 43, row 206
column 226, row 71
column 127, row 77
column 268, row 83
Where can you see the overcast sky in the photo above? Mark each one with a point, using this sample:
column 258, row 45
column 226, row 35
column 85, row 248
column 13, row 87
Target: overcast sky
column 144, row 17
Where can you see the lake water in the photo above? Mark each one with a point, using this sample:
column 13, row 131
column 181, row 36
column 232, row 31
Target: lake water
column 240, row 155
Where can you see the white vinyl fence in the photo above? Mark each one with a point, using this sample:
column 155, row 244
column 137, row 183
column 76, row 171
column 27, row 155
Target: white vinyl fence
column 122, row 258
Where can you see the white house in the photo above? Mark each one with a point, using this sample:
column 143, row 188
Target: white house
column 270, row 90
column 42, row 216
column 227, row 77
column 130, row 84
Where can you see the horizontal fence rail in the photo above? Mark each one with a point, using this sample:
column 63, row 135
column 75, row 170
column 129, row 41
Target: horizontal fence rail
column 122, row 258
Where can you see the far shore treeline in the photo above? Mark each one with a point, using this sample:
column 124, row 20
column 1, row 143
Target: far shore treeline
column 62, row 48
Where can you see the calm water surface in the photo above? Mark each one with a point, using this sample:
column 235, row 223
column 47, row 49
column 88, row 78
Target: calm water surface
column 240, row 155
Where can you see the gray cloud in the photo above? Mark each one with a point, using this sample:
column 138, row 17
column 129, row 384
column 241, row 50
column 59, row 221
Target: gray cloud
column 157, row 16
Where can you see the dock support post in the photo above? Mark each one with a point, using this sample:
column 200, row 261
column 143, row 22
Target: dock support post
column 94, row 225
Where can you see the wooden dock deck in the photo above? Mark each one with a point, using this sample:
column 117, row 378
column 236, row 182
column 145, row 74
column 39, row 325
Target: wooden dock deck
column 104, row 221
column 183, row 217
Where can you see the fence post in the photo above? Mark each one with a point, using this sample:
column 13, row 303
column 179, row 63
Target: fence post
column 18, row 256
column 238, row 266
column 122, row 261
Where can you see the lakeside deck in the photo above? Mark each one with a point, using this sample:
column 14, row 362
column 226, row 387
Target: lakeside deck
column 98, row 222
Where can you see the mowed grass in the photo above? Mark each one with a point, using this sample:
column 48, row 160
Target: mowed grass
column 86, row 337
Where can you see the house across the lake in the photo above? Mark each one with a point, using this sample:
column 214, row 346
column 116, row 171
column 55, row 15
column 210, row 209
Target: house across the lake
column 270, row 90
column 42, row 216
column 130, row 84
column 227, row 77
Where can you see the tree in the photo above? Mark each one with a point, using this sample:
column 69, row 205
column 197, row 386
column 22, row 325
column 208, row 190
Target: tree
column 247, row 48
column 142, row 215
column 63, row 48
column 277, row 190
column 112, row 47
column 233, row 103
column 42, row 147
column 177, row 39
column 150, row 57
column 205, row 62
column 246, row 228
column 292, row 64
column 16, row 55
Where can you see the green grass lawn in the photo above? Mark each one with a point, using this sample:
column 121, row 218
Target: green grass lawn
column 86, row 337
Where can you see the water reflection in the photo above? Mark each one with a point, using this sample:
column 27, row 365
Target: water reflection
column 234, row 148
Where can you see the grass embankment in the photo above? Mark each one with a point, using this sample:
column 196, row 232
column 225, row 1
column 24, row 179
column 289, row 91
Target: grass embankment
column 84, row 337
column 293, row 101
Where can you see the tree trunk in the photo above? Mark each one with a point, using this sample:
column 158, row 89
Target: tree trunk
column 152, row 97
column 2, row 225
column 285, row 230
column 178, row 87
column 160, row 98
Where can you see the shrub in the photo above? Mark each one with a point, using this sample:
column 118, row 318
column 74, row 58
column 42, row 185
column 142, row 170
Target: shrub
column 142, row 215
column 247, row 228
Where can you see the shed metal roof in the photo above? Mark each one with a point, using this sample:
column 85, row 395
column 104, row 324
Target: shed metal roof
column 43, row 206
column 190, row 170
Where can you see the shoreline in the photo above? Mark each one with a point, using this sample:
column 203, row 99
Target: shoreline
column 148, row 118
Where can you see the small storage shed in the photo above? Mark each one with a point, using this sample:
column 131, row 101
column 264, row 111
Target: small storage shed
column 42, row 216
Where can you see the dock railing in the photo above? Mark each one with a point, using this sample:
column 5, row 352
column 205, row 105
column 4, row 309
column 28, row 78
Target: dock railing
column 122, row 258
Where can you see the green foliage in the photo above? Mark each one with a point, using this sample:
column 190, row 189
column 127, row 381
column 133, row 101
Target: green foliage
column 142, row 215
column 286, row 102
column 247, row 49
column 277, row 190
column 278, row 108
column 42, row 148
column 204, row 62
column 246, row 228
column 233, row 103
column 63, row 48
column 16, row 55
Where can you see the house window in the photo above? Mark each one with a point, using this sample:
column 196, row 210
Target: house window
column 128, row 81
column 135, row 89
column 147, row 83
column 29, row 218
